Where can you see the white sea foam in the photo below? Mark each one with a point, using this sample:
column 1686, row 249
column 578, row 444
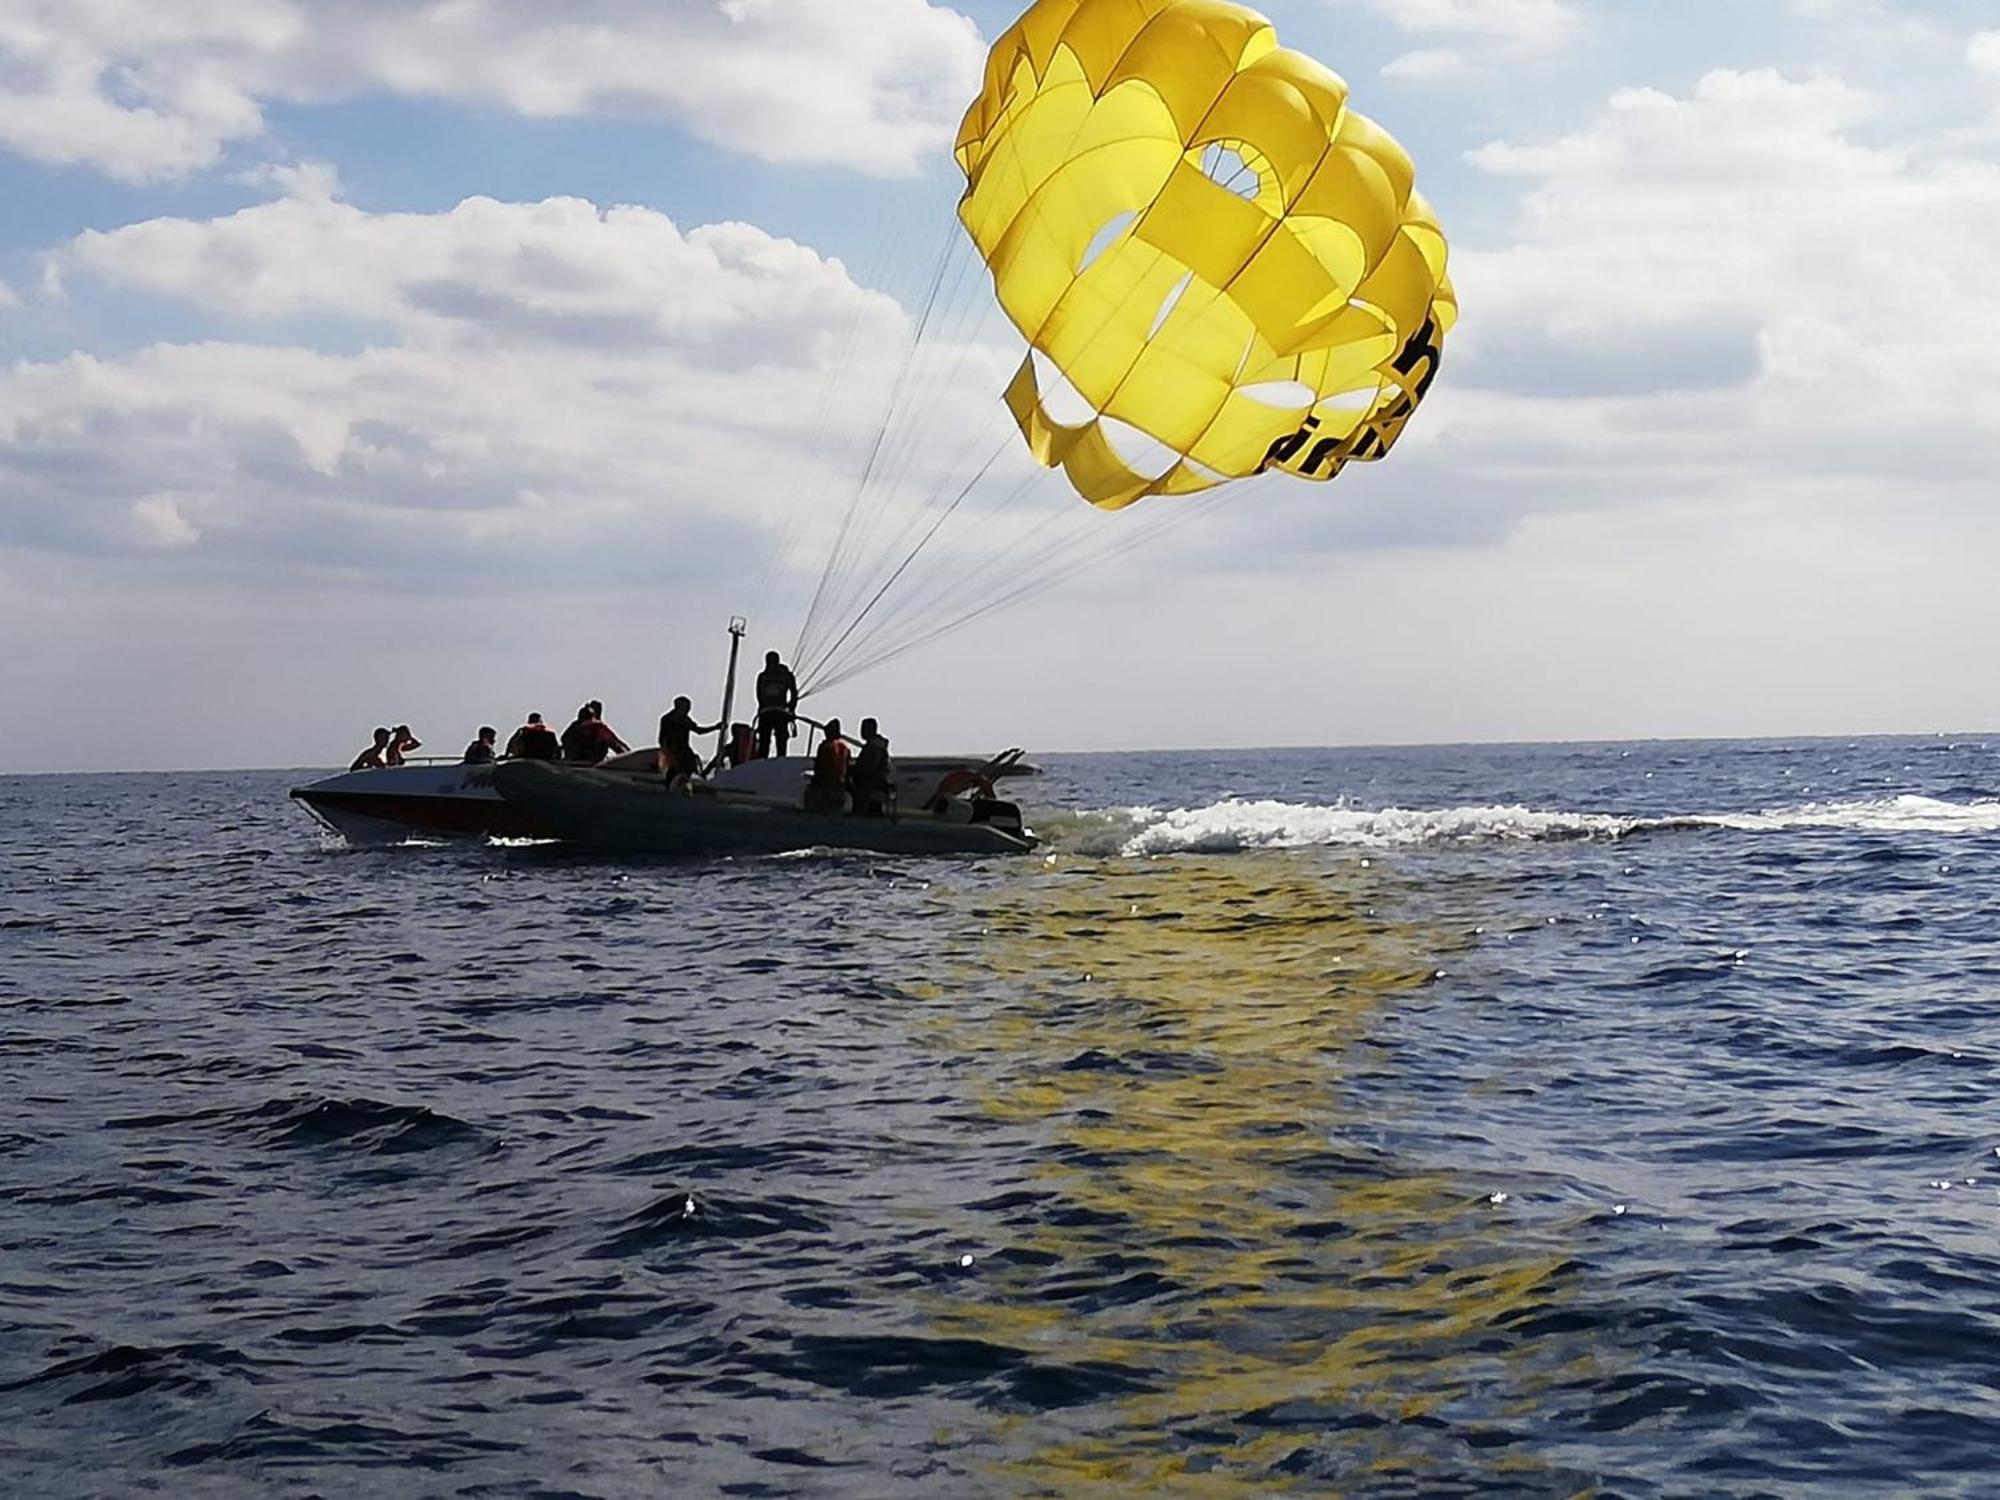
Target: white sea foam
column 1230, row 826
column 1904, row 814
column 1224, row 827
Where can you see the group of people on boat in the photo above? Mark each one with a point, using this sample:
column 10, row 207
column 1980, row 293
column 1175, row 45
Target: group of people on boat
column 843, row 770
column 388, row 749
column 867, row 777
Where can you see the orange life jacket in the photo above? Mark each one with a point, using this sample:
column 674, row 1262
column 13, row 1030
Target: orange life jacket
column 830, row 764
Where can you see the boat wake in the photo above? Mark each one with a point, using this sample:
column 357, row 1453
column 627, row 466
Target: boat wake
column 1903, row 814
column 1232, row 826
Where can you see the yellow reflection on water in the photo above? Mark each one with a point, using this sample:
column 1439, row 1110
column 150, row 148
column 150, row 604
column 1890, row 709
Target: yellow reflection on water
column 1204, row 1216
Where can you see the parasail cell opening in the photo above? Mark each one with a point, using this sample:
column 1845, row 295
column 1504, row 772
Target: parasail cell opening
column 1107, row 235
column 1143, row 453
column 1061, row 400
column 1286, row 395
column 1167, row 305
column 1226, row 168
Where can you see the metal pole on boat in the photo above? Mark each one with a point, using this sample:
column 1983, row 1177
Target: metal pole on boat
column 737, row 625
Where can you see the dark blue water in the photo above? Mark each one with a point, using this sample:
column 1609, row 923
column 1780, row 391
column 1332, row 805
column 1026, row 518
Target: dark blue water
column 1498, row 1121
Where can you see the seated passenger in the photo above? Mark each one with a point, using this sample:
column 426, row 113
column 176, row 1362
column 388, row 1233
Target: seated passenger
column 827, row 791
column 400, row 744
column 480, row 751
column 589, row 740
column 375, row 756
column 873, row 777
column 576, row 733
column 534, row 740
column 742, row 745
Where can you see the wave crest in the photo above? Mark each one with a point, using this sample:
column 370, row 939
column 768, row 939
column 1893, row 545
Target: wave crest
column 1228, row 827
column 1233, row 826
column 1907, row 813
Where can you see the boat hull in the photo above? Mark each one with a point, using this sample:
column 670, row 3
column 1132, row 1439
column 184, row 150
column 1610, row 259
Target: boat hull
column 394, row 804
column 610, row 813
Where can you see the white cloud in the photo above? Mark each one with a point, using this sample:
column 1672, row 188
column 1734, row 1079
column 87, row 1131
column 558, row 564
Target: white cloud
column 488, row 273
column 161, row 523
column 138, row 90
column 1983, row 52
column 144, row 91
column 1522, row 25
column 539, row 365
column 9, row 298
column 1428, row 65
column 1730, row 293
column 536, row 378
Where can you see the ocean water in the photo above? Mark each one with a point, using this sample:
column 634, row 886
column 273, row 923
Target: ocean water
column 1519, row 1121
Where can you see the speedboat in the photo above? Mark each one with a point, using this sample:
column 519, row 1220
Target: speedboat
column 614, row 812
column 393, row 804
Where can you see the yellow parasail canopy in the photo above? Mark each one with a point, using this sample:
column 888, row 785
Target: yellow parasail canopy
column 1219, row 267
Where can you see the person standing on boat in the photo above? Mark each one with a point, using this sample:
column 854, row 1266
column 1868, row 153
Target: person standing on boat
column 827, row 793
column 534, row 740
column 400, row 744
column 375, row 756
column 480, row 751
column 677, row 730
column 589, row 739
column 872, row 778
column 777, row 701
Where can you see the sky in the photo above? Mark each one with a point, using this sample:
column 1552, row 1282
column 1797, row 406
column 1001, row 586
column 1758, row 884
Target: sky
column 430, row 361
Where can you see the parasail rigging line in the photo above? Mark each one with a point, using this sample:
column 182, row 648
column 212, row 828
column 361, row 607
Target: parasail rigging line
column 1198, row 506
column 1019, row 568
column 980, row 433
column 794, row 511
column 919, row 620
column 948, row 583
column 904, row 450
column 963, row 341
column 866, row 555
column 869, row 497
column 914, row 552
column 836, row 556
column 848, row 598
column 1022, row 583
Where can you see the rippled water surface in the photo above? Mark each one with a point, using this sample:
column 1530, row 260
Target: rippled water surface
column 1608, row 1120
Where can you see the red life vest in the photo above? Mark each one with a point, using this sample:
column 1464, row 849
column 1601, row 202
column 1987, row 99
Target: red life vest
column 535, row 742
column 830, row 764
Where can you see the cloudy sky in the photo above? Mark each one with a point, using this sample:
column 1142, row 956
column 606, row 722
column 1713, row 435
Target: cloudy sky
column 435, row 360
